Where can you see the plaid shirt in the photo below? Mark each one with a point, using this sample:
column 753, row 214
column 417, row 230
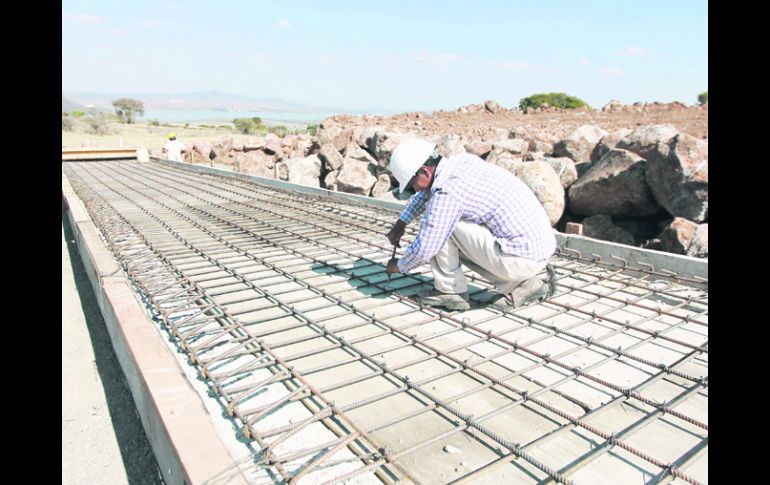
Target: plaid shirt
column 466, row 187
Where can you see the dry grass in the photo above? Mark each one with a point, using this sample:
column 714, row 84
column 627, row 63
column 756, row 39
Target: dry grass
column 141, row 135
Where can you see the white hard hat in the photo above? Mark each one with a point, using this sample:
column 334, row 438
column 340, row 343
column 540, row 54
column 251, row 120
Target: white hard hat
column 408, row 157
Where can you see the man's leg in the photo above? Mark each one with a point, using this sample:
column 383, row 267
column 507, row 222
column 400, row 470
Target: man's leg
column 479, row 250
column 448, row 275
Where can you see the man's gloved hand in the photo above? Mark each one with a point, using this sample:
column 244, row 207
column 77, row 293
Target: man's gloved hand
column 392, row 266
column 396, row 232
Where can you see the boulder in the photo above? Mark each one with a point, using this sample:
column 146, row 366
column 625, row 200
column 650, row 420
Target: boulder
column 356, row 177
column 255, row 163
column 677, row 236
column 478, row 148
column 616, row 185
column 382, row 144
column 564, row 168
column 579, row 144
column 305, row 171
column 449, row 145
column 607, row 143
column 644, row 139
column 382, row 186
column 677, row 173
column 541, row 178
column 330, row 156
column 222, row 146
column 601, row 227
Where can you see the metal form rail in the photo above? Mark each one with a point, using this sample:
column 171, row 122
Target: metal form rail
column 280, row 300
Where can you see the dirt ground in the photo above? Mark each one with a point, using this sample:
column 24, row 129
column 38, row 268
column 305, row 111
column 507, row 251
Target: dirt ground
column 552, row 123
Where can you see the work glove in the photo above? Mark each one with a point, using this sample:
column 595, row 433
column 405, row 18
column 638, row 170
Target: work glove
column 396, row 232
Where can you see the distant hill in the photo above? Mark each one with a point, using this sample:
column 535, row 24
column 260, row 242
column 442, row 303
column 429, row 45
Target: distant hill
column 198, row 100
column 68, row 105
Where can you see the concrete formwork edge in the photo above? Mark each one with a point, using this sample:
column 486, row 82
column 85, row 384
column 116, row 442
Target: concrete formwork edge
column 178, row 427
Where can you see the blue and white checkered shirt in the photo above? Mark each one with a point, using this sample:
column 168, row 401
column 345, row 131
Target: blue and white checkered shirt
column 466, row 187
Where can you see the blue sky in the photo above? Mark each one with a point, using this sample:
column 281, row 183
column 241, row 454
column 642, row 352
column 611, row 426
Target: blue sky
column 394, row 55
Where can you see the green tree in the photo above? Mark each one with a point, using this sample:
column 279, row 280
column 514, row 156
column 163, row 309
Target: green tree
column 127, row 109
column 703, row 98
column 248, row 126
column 557, row 100
column 77, row 114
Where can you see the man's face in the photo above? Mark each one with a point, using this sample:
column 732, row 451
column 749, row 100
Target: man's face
column 421, row 180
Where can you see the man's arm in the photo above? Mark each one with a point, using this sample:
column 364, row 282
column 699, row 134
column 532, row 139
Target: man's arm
column 413, row 208
column 437, row 225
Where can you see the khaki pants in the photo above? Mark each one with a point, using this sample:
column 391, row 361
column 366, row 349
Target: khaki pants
column 474, row 246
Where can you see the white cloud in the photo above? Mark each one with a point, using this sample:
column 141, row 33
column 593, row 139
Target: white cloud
column 83, row 18
column 583, row 61
column 612, row 71
column 149, row 24
column 637, row 51
column 283, row 24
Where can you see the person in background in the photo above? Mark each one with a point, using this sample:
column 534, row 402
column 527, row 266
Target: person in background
column 173, row 148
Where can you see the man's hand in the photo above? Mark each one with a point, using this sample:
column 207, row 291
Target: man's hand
column 392, row 266
column 396, row 232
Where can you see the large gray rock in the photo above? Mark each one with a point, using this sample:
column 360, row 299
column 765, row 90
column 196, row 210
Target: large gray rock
column 607, row 143
column 357, row 153
column 326, row 134
column 222, row 146
column 579, row 144
column 541, row 178
column 601, row 227
column 330, row 156
column 305, row 171
column 478, row 148
column 382, row 186
column 362, row 135
column 516, row 146
column 255, row 163
column 449, row 145
column 677, row 173
column 273, row 145
column 355, row 177
column 300, row 146
column 203, row 152
column 382, row 144
column 564, row 168
column 644, row 139
column 504, row 159
column 615, row 185
column 255, row 143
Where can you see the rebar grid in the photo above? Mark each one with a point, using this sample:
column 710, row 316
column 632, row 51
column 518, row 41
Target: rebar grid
column 248, row 235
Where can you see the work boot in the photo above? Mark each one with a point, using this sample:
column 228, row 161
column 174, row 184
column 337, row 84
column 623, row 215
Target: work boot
column 528, row 291
column 451, row 301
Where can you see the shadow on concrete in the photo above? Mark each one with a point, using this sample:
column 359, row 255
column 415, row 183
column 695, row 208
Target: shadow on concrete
column 138, row 459
column 371, row 279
